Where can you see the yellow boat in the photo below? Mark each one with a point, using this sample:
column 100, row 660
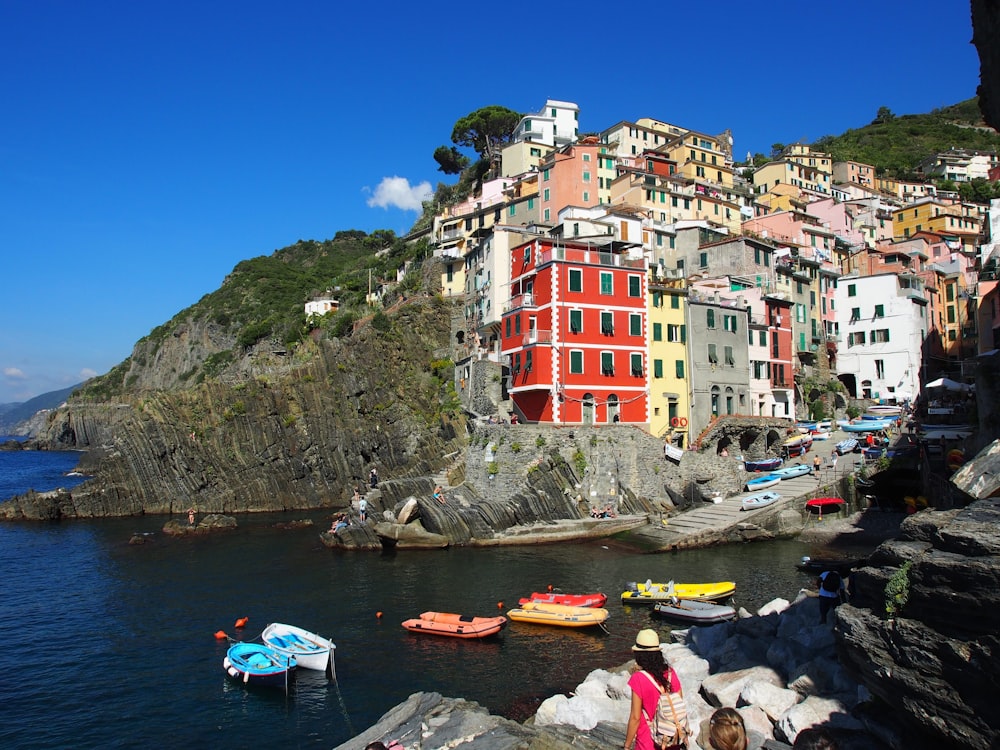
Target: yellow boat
column 650, row 593
column 562, row 615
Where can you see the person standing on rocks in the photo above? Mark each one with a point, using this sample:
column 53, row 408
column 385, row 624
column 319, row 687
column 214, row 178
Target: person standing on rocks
column 190, row 516
column 373, row 478
column 363, row 509
column 831, row 592
column 652, row 682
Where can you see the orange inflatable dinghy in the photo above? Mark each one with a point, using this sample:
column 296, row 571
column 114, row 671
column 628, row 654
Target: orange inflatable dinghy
column 456, row 626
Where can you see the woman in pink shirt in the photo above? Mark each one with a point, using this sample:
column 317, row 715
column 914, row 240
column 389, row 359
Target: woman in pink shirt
column 646, row 694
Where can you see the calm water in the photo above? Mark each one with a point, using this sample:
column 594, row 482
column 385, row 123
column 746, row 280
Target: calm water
column 111, row 645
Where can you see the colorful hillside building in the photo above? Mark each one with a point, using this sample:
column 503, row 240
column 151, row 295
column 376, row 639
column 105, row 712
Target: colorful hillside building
column 574, row 333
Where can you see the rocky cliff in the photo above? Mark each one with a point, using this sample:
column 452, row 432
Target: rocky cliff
column 935, row 662
column 278, row 432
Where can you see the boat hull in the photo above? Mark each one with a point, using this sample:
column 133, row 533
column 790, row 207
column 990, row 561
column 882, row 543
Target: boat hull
column 650, row 593
column 866, row 425
column 696, row 612
column 454, row 625
column 259, row 665
column 765, row 464
column 762, row 483
column 309, row 650
column 559, row 615
column 759, row 500
column 569, row 600
column 790, row 472
column 846, row 446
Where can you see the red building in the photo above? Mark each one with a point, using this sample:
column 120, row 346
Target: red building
column 574, row 334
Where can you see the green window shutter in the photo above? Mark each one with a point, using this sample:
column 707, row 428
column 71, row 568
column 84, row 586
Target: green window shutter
column 679, row 368
column 576, row 362
column 710, row 318
column 634, row 325
column 576, row 321
column 683, row 334
column 657, row 332
column 634, row 286
column 675, row 302
column 607, row 283
column 657, row 368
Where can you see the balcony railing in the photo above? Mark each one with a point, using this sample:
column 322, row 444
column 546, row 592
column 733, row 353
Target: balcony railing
column 534, row 337
column 518, row 301
column 590, row 256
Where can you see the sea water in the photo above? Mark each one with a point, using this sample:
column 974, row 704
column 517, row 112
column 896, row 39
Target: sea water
column 111, row 644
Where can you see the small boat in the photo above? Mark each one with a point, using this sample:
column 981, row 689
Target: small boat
column 789, row 472
column 843, row 565
column 820, row 435
column 694, row 611
column 824, row 503
column 805, row 427
column 759, row 500
column 763, row 464
column 569, row 600
column 559, row 614
column 650, row 593
column 258, row 664
column 309, row 650
column 866, row 425
column 848, row 445
column 885, row 410
column 762, row 482
column 455, row 626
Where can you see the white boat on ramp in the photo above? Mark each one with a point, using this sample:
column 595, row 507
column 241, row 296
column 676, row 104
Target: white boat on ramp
column 759, row 500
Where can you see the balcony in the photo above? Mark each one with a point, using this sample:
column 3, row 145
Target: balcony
column 590, row 256
column 518, row 301
column 533, row 337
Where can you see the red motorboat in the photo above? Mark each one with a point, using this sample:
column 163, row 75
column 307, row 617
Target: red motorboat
column 825, row 503
column 568, row 600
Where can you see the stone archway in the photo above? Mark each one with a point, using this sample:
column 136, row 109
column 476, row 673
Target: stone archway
column 774, row 438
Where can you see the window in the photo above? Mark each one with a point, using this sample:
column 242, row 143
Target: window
column 517, row 324
column 713, row 356
column 762, row 340
column 880, row 336
column 634, row 324
column 679, row 368
column 527, row 361
column 728, row 351
column 879, row 311
column 657, row 368
column 703, row 260
column 575, row 280
column 855, row 314
column 607, row 282
column 729, row 323
column 545, row 175
column 657, row 331
column 710, row 318
column 527, row 254
column 546, row 215
column 506, row 327
column 675, row 302
column 879, row 368
column 634, row 286
column 545, row 195
column 576, row 321
column 586, row 176
column 852, row 290
column 576, row 362
column 607, row 363
column 635, row 363
column 607, row 323
column 657, row 299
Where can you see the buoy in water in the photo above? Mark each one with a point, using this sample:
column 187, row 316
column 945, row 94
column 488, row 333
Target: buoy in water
column 240, row 623
column 499, row 605
column 221, row 635
column 378, row 615
column 550, row 588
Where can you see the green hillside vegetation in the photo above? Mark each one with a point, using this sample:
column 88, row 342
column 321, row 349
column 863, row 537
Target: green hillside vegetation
column 895, row 145
column 263, row 298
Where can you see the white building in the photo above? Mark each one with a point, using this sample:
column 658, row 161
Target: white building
column 882, row 321
column 556, row 125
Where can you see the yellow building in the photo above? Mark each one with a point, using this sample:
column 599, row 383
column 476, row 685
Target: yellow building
column 700, row 158
column 670, row 384
column 951, row 220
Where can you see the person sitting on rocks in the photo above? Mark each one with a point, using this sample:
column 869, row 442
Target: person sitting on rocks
column 439, row 494
column 340, row 523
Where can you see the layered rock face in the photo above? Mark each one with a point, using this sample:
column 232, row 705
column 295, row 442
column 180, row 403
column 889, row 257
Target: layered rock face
column 293, row 435
column 936, row 664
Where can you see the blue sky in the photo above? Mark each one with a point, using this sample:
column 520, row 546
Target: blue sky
column 147, row 147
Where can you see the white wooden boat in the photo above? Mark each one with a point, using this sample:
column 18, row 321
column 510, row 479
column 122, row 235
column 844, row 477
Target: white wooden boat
column 759, row 500
column 310, row 651
column 888, row 410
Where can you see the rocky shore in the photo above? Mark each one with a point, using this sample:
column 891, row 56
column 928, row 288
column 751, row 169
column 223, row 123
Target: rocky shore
column 921, row 676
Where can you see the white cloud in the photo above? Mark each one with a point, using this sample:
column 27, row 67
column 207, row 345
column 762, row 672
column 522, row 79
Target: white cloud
column 396, row 192
column 14, row 374
column 86, row 373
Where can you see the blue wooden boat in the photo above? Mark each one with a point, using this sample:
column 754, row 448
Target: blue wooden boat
column 762, row 482
column 257, row 664
column 763, row 464
column 795, row 470
column 848, row 445
column 759, row 500
column 866, row 425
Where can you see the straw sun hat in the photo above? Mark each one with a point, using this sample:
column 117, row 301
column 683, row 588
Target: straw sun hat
column 647, row 640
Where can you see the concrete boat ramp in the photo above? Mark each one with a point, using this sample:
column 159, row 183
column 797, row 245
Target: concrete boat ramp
column 724, row 522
